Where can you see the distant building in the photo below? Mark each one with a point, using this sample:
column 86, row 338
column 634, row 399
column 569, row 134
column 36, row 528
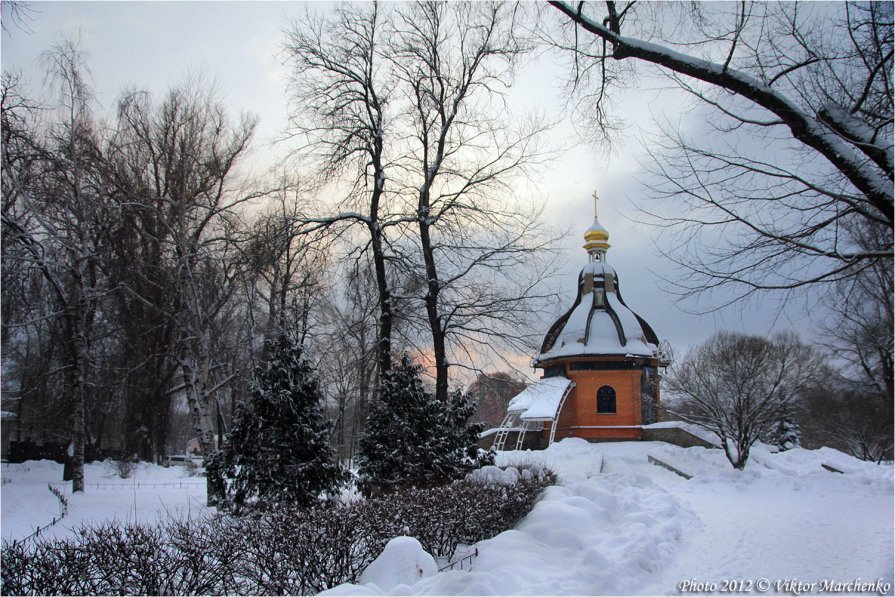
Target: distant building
column 193, row 448
column 601, row 365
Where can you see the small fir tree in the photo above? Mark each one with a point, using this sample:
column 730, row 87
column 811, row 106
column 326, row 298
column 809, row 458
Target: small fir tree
column 278, row 450
column 785, row 435
column 413, row 439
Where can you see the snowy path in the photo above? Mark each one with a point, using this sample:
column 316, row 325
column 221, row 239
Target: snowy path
column 764, row 525
column 750, row 535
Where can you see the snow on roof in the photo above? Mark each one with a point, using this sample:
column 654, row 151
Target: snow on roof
column 631, row 326
column 598, row 268
column 603, row 337
column 540, row 401
column 494, row 430
column 575, row 338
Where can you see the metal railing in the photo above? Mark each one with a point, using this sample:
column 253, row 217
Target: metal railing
column 142, row 485
column 459, row 562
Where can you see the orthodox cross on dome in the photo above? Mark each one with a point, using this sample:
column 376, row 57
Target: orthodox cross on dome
column 596, row 238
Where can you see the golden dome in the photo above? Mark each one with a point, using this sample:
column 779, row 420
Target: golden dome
column 596, row 232
column 596, row 237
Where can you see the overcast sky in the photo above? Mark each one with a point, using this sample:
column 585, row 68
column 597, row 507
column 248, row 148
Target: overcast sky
column 153, row 45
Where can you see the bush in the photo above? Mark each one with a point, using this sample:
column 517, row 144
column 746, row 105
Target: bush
column 186, row 557
column 291, row 551
column 126, row 467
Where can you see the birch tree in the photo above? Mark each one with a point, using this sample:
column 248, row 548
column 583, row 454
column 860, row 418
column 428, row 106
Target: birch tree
column 52, row 209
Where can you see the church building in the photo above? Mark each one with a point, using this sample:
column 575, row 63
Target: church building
column 600, row 363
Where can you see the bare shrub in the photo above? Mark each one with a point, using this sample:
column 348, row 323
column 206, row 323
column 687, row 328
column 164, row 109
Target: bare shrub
column 126, row 467
column 298, row 551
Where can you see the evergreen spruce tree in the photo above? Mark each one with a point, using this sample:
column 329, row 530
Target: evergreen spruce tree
column 789, row 436
column 464, row 436
column 278, row 449
column 411, row 438
column 785, row 435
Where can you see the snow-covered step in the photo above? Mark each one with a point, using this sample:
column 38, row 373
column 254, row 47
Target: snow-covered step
column 670, row 463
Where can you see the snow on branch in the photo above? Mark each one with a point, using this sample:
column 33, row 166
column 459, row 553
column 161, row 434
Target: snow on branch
column 838, row 150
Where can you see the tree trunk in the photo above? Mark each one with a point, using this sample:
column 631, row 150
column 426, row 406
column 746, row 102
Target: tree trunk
column 79, row 421
column 76, row 379
column 195, row 382
column 741, row 455
column 432, row 315
column 386, row 316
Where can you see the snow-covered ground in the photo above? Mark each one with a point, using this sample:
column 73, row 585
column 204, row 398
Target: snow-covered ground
column 636, row 528
column 150, row 494
column 615, row 524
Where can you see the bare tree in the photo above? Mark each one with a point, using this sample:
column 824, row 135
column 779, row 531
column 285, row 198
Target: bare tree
column 853, row 409
column 445, row 224
column 123, row 261
column 174, row 168
column 841, row 414
column 737, row 386
column 341, row 113
column 452, row 62
column 492, row 393
column 349, row 368
column 17, row 13
column 20, row 153
column 798, row 151
column 861, row 332
column 284, row 265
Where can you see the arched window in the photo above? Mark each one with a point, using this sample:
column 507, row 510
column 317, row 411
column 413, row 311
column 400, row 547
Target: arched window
column 606, row 400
